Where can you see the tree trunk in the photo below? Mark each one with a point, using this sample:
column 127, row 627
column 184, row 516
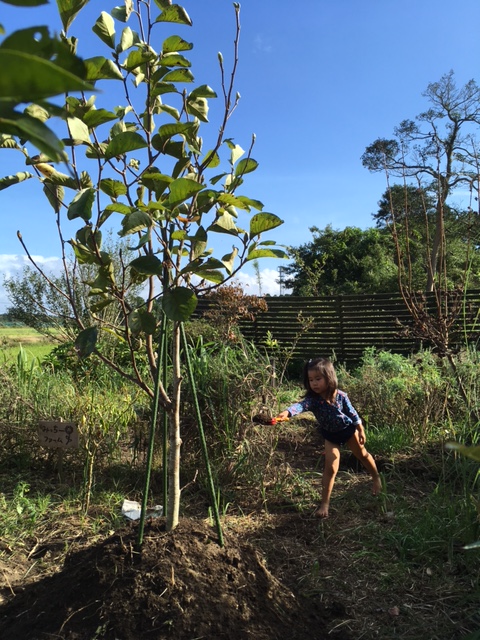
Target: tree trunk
column 175, row 442
column 437, row 252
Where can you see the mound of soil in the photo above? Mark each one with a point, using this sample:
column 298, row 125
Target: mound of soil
column 182, row 585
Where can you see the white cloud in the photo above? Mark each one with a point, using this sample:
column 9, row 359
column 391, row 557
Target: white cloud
column 13, row 264
column 268, row 282
column 261, row 45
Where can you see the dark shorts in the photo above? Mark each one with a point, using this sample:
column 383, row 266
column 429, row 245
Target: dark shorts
column 339, row 437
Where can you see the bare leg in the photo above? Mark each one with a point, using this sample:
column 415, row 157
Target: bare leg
column 332, row 462
column 359, row 451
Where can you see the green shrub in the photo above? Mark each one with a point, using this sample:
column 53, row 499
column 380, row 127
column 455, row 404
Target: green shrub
column 393, row 391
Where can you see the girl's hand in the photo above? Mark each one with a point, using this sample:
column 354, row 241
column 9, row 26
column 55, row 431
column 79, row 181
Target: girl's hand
column 281, row 417
column 361, row 434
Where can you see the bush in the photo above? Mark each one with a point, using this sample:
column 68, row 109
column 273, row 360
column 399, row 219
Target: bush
column 394, row 391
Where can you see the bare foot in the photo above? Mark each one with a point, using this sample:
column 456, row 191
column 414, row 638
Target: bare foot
column 322, row 511
column 377, row 485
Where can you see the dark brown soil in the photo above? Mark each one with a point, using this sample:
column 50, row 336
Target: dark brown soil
column 183, row 585
column 282, row 574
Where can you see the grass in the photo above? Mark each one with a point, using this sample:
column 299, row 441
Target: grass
column 13, row 339
column 379, row 568
column 392, row 566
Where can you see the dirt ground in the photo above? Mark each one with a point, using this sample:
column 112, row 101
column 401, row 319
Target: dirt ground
column 281, row 574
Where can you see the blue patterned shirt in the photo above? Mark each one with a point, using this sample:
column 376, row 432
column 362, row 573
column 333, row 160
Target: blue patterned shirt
column 331, row 417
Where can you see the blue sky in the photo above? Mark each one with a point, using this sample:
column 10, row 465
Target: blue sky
column 319, row 80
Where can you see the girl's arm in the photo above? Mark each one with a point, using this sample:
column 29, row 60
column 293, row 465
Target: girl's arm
column 361, row 433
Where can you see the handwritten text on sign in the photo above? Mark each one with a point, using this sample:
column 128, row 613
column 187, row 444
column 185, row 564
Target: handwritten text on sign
column 62, row 435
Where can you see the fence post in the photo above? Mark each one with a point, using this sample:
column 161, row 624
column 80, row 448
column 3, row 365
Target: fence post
column 339, row 304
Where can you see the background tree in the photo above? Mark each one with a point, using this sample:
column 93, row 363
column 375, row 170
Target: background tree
column 143, row 167
column 342, row 262
column 436, row 152
column 409, row 212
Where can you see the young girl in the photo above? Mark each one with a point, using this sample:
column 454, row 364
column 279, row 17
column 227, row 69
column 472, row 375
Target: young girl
column 338, row 422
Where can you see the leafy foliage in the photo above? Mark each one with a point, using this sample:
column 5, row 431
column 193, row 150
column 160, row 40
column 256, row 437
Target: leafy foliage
column 143, row 167
column 346, row 261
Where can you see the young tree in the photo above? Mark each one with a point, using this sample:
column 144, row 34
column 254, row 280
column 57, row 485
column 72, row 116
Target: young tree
column 35, row 67
column 436, row 152
column 143, row 166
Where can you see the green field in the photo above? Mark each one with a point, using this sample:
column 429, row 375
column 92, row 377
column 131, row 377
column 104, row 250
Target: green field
column 15, row 339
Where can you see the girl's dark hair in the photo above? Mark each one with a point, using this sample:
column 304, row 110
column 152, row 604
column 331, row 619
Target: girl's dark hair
column 325, row 368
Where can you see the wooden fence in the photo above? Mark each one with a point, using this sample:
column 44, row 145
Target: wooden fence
column 344, row 326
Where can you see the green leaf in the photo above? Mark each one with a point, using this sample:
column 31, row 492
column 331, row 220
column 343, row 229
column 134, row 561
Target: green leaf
column 89, row 238
column 99, row 68
column 236, row 152
column 212, row 158
column 127, row 40
column 204, row 91
column 103, row 282
column 181, row 190
column 156, row 182
column 14, row 179
column 81, row 205
column 123, row 13
column 7, row 142
column 224, row 224
column 86, row 342
column 134, row 222
column 199, row 242
column 266, row 253
column 148, row 265
column 138, row 57
column 251, row 204
column 55, row 195
column 100, row 305
column 118, row 207
column 469, row 452
column 104, row 28
column 179, row 303
column 198, row 107
column 39, row 135
column 176, row 43
column 28, row 78
column 68, row 10
column 212, row 275
column 96, row 117
column 229, row 260
column 472, row 545
column 230, row 200
column 123, row 143
column 179, row 75
column 174, row 60
column 172, row 111
column 245, row 166
column 161, row 88
column 78, row 130
column 37, row 112
column 174, row 13
column 167, row 131
column 113, row 188
column 262, row 222
column 142, row 320
column 82, row 253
